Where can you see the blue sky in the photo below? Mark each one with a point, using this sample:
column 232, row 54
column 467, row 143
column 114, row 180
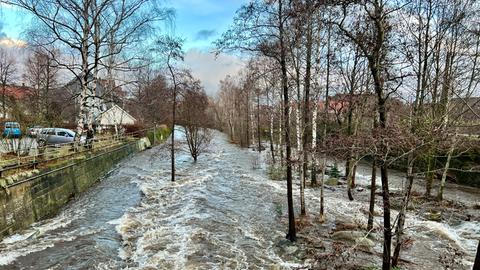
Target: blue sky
column 199, row 22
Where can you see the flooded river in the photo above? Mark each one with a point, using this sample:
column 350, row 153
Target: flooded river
column 221, row 213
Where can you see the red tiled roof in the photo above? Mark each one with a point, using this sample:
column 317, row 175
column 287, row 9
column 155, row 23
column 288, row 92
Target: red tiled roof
column 16, row 92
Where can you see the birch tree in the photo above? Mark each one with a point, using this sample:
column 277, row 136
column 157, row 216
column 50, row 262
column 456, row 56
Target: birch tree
column 261, row 27
column 80, row 29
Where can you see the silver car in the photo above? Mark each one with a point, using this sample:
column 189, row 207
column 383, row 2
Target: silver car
column 52, row 136
column 34, row 131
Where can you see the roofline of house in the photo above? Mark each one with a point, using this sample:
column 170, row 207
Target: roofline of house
column 115, row 105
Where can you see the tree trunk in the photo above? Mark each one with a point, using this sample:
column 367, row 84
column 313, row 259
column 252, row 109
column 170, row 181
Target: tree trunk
column 258, row 124
column 402, row 214
column 373, row 187
column 306, row 96
column 324, row 133
column 322, row 195
column 445, row 170
column 83, row 98
column 172, row 147
column 292, row 234
column 350, row 173
column 174, row 106
column 4, row 107
column 476, row 264
column 272, row 147
column 280, row 135
column 382, row 112
column 314, row 145
column 387, row 230
column 301, row 172
column 430, row 175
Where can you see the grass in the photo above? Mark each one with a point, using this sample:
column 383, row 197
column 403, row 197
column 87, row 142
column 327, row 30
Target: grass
column 279, row 210
column 161, row 134
column 276, row 172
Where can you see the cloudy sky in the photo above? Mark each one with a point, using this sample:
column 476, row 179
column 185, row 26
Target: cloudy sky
column 199, row 22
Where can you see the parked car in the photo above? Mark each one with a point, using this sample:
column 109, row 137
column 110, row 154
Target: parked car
column 34, row 131
column 11, row 130
column 52, row 136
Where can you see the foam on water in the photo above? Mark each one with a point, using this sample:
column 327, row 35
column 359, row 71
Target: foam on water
column 212, row 217
column 221, row 213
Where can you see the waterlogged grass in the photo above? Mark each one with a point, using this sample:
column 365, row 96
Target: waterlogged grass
column 161, row 134
column 276, row 173
column 279, row 209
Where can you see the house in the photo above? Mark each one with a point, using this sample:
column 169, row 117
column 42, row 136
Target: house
column 114, row 116
column 10, row 101
column 104, row 104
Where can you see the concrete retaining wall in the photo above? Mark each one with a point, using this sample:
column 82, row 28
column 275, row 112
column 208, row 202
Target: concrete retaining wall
column 42, row 196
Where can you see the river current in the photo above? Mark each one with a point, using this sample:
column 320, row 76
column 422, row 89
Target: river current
column 222, row 213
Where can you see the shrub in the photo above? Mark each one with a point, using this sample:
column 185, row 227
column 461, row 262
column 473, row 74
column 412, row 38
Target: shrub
column 276, row 172
column 161, row 134
column 334, row 172
column 136, row 130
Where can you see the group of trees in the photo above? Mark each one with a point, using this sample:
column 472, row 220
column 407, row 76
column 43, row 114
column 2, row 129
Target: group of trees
column 391, row 81
column 38, row 98
column 90, row 39
column 115, row 45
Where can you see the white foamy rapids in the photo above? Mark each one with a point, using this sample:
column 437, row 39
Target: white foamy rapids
column 217, row 215
column 430, row 239
column 37, row 238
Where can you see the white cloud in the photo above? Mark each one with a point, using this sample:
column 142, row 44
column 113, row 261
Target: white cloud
column 209, row 70
column 12, row 43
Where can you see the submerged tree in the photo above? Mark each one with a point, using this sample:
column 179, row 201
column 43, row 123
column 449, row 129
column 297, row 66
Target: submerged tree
column 193, row 116
column 373, row 37
column 171, row 52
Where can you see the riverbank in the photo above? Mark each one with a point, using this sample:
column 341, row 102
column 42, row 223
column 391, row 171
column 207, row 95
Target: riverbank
column 29, row 195
column 437, row 234
column 82, row 235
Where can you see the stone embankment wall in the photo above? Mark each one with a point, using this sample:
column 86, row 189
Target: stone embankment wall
column 42, row 196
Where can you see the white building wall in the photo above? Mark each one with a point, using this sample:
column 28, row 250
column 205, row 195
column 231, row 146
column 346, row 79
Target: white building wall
column 116, row 116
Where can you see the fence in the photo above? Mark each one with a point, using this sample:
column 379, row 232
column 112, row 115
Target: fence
column 38, row 155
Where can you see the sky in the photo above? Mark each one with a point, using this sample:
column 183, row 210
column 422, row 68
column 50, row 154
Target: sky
column 201, row 22
column 198, row 22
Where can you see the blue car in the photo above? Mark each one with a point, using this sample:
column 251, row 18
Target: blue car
column 12, row 130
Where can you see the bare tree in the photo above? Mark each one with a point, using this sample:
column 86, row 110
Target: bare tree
column 375, row 46
column 80, row 30
column 262, row 27
column 42, row 75
column 171, row 51
column 194, row 118
column 7, row 73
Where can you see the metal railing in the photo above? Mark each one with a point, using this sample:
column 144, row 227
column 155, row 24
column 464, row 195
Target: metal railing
column 51, row 153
